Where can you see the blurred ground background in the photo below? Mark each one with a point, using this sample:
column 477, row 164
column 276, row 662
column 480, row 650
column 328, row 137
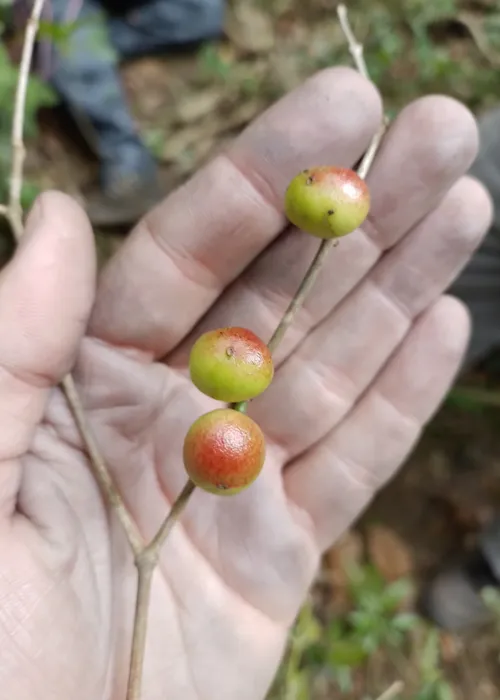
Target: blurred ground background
column 358, row 634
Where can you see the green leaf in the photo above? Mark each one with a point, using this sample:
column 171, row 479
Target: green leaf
column 307, row 628
column 396, row 593
column 404, row 622
column 343, row 677
column 347, row 653
column 491, row 598
column 56, row 32
column 429, row 661
column 29, row 193
column 298, row 687
column 444, row 691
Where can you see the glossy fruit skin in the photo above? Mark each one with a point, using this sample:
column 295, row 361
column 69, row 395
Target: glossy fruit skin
column 327, row 202
column 224, row 451
column 231, row 364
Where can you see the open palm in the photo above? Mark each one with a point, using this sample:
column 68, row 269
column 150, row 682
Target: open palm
column 362, row 369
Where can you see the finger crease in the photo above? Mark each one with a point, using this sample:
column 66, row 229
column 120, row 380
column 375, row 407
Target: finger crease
column 339, row 389
column 190, row 268
column 373, row 478
column 259, row 184
column 393, row 301
column 37, row 380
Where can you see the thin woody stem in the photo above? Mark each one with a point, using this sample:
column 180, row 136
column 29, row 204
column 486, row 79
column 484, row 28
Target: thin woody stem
column 14, row 210
column 174, row 514
column 355, row 48
column 321, row 255
column 302, row 292
column 99, row 468
column 392, row 692
column 326, row 245
column 145, row 567
column 146, row 563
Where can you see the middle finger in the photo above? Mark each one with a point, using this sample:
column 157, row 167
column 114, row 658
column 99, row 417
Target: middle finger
column 429, row 146
column 336, row 363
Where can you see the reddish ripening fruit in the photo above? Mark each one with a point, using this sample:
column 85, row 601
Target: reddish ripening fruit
column 231, row 364
column 224, row 451
column 327, row 202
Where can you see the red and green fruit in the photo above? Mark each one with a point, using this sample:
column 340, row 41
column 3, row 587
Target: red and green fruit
column 231, row 364
column 224, row 451
column 327, row 202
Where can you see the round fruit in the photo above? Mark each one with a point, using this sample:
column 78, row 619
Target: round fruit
column 327, row 202
column 231, row 364
column 224, row 451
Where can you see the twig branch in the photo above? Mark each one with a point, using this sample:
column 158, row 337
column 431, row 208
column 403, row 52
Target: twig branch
column 14, row 211
column 301, row 293
column 99, row 468
column 145, row 568
column 393, row 691
column 355, row 48
column 181, row 502
column 320, row 257
column 146, row 562
column 326, row 245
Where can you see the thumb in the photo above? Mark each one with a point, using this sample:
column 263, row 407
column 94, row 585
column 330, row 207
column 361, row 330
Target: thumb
column 46, row 295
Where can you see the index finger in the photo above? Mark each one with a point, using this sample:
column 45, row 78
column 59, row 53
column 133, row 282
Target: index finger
column 183, row 254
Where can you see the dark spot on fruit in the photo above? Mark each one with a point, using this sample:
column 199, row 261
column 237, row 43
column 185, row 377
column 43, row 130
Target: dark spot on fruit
column 309, row 181
column 305, row 171
column 229, row 352
column 331, row 212
column 221, row 487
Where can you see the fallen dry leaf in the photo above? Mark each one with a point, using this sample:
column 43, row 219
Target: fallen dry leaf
column 195, row 105
column 346, row 553
column 450, row 646
column 249, row 28
column 389, row 553
column 477, row 27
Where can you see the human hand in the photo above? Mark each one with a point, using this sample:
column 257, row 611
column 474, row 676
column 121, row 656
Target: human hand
column 361, row 371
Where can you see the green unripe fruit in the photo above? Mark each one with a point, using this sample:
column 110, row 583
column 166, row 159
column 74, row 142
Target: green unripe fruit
column 224, row 451
column 327, row 202
column 231, row 364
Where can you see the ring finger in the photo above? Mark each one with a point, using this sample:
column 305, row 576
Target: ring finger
column 331, row 368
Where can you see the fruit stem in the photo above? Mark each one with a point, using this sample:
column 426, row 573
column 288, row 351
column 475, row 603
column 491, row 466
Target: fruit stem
column 327, row 244
column 178, row 506
column 318, row 261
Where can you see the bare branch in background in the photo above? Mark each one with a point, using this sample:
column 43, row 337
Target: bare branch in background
column 14, row 211
column 393, row 691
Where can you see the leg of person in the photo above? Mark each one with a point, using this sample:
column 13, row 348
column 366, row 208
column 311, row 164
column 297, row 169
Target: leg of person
column 155, row 25
column 85, row 74
column 452, row 599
